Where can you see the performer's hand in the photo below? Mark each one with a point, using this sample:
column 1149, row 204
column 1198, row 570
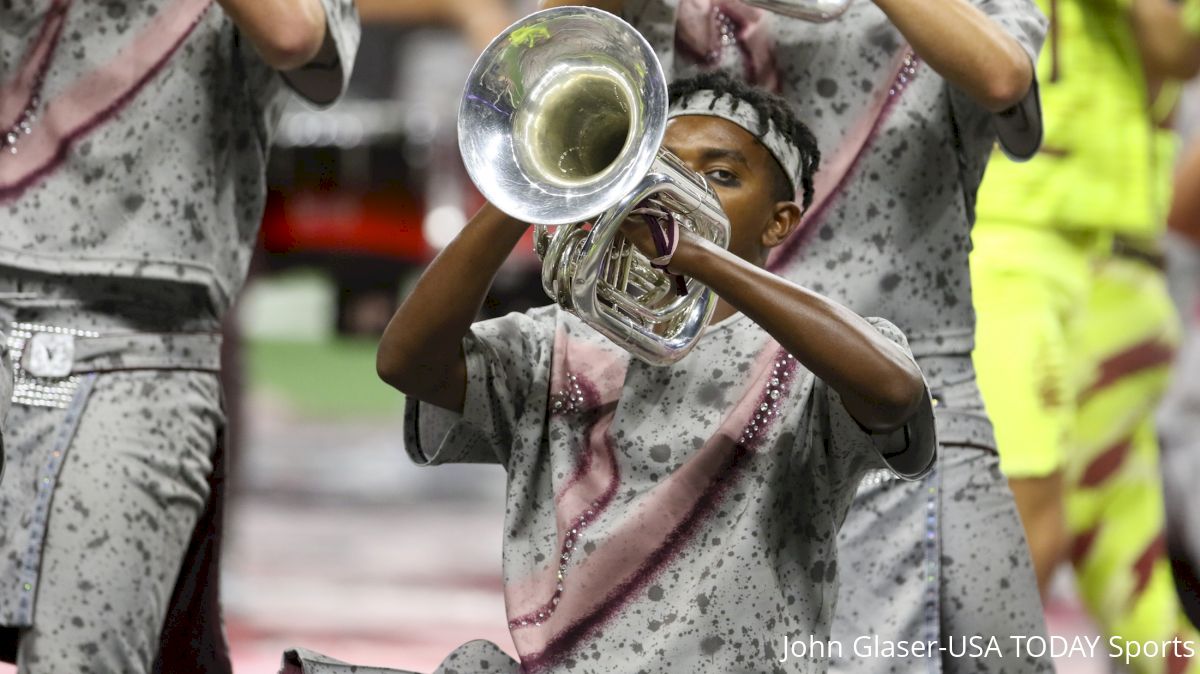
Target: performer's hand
column 637, row 232
column 637, row 229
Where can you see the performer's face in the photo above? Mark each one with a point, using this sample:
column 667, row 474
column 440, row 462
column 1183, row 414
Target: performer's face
column 743, row 174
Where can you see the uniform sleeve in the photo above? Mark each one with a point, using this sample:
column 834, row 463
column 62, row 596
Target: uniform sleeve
column 324, row 79
column 1019, row 129
column 909, row 452
column 508, row 379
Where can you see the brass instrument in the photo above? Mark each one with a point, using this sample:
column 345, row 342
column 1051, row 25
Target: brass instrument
column 561, row 125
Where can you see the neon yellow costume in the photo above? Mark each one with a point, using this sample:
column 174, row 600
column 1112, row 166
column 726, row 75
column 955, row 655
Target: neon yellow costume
column 1075, row 329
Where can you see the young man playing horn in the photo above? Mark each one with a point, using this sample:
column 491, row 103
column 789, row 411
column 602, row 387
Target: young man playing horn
column 665, row 519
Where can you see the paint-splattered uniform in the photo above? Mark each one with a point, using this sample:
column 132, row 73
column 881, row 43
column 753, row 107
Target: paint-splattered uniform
column 133, row 141
column 660, row 519
column 889, row 235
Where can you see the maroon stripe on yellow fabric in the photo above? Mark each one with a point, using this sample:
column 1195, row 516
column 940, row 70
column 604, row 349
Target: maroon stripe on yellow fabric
column 1138, row 358
column 1143, row 568
column 1082, row 544
column 1177, row 658
column 1102, row 467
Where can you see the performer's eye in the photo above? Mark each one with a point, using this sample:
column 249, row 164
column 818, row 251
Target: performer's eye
column 723, row 177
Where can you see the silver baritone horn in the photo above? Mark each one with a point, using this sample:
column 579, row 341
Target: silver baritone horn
column 818, row 11
column 561, row 124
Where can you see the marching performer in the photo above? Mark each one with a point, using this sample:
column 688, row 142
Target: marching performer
column 1067, row 248
column 133, row 144
column 906, row 99
column 665, row 518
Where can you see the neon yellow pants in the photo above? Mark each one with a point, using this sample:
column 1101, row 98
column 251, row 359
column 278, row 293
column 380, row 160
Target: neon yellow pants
column 1073, row 352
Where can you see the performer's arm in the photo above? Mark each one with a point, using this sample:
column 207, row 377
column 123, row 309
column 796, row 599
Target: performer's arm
column 878, row 383
column 1168, row 49
column 421, row 350
column 479, row 20
column 1184, row 217
column 611, row 6
column 288, row 34
column 966, row 47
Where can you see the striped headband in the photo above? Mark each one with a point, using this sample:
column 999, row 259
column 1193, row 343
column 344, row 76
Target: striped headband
column 706, row 103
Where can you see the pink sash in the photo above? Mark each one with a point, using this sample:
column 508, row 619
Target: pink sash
column 92, row 99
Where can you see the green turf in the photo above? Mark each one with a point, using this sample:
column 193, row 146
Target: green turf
column 331, row 379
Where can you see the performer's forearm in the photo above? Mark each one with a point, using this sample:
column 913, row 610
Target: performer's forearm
column 1167, row 48
column 1184, row 216
column 288, row 34
column 479, row 20
column 966, row 47
column 421, row 350
column 611, row 6
column 879, row 385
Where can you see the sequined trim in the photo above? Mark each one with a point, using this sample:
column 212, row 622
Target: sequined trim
column 907, row 73
column 573, row 398
column 570, row 399
column 570, row 544
column 728, row 36
column 768, row 407
column 875, row 478
column 933, row 565
column 47, row 481
column 52, row 392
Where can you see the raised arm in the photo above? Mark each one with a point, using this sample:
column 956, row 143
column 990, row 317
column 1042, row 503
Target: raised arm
column 878, row 383
column 1168, row 49
column 288, row 34
column 478, row 20
column 610, row 6
column 421, row 350
column 966, row 47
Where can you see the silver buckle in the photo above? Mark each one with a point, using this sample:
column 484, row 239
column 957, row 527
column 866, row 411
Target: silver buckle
column 44, row 379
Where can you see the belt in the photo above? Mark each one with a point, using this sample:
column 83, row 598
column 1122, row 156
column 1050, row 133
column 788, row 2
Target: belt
column 50, row 361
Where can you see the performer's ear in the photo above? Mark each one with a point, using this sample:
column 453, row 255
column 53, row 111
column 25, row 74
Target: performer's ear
column 785, row 219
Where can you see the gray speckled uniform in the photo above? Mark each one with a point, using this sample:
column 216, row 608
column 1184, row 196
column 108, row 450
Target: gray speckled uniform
column 168, row 185
column 129, row 213
column 102, row 495
column 659, row 519
column 891, row 238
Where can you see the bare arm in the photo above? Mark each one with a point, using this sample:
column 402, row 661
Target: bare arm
column 610, row 6
column 879, row 384
column 1184, row 217
column 1167, row 48
column 479, row 20
column 966, row 47
column 421, row 350
column 960, row 42
column 288, row 34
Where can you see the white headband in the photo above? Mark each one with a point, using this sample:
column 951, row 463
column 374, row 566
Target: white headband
column 706, row 103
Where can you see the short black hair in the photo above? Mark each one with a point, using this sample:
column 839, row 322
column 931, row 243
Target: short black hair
column 771, row 108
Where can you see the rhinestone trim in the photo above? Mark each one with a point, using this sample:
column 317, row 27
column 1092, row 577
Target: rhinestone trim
column 56, row 393
column 728, row 32
column 908, row 73
column 21, row 128
column 875, row 478
column 569, row 545
column 768, row 407
column 570, row 399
